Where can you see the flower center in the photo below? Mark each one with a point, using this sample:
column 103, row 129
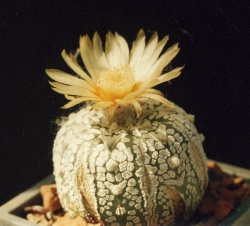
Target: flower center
column 116, row 83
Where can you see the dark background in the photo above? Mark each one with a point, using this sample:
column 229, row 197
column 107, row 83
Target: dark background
column 214, row 86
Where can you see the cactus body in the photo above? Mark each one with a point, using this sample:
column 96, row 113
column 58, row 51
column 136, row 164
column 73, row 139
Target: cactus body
column 149, row 170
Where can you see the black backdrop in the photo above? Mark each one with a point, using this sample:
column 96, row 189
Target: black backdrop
column 214, row 39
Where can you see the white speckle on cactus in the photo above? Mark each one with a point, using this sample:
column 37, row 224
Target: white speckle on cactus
column 110, row 177
column 116, row 189
column 121, row 157
column 171, row 173
column 153, row 161
column 140, row 172
column 174, row 161
column 109, row 213
column 118, row 177
column 100, row 161
column 151, row 169
column 126, row 175
column 130, row 166
column 170, row 131
column 101, row 176
column 111, row 165
column 111, row 219
column 103, row 192
column 136, row 220
column 136, row 133
column 163, row 167
column 100, row 184
column 120, row 210
column 131, row 182
column 159, row 145
column 132, row 212
column 138, row 206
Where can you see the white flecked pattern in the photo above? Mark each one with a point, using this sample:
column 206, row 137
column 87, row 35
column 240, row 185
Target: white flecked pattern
column 145, row 171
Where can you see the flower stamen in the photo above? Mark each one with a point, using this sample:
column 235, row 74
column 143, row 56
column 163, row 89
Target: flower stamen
column 116, row 83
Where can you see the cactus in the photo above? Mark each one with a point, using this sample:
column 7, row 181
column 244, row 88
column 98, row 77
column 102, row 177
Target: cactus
column 130, row 156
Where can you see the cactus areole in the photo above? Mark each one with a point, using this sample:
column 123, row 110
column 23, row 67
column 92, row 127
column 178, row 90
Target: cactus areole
column 129, row 156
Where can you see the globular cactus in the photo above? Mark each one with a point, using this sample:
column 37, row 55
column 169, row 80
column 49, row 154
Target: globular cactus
column 130, row 157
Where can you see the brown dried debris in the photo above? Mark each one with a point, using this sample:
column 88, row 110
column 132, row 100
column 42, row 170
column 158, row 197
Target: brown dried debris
column 39, row 219
column 66, row 220
column 36, row 209
column 223, row 194
column 50, row 197
column 44, row 215
column 222, row 209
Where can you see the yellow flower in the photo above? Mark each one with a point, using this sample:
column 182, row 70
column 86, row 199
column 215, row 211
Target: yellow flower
column 116, row 77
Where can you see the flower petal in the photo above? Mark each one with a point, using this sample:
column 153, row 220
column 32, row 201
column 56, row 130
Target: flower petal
column 150, row 55
column 72, row 90
column 111, row 110
column 170, row 75
column 158, row 98
column 97, row 45
column 98, row 52
column 137, row 49
column 123, row 48
column 133, row 102
column 137, row 107
column 70, row 97
column 102, row 104
column 164, row 60
column 72, row 63
column 68, row 79
column 75, row 102
column 154, row 91
column 150, row 47
column 87, row 54
column 112, row 50
column 143, row 87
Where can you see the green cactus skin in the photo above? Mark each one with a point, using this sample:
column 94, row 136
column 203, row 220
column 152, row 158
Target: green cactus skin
column 149, row 170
